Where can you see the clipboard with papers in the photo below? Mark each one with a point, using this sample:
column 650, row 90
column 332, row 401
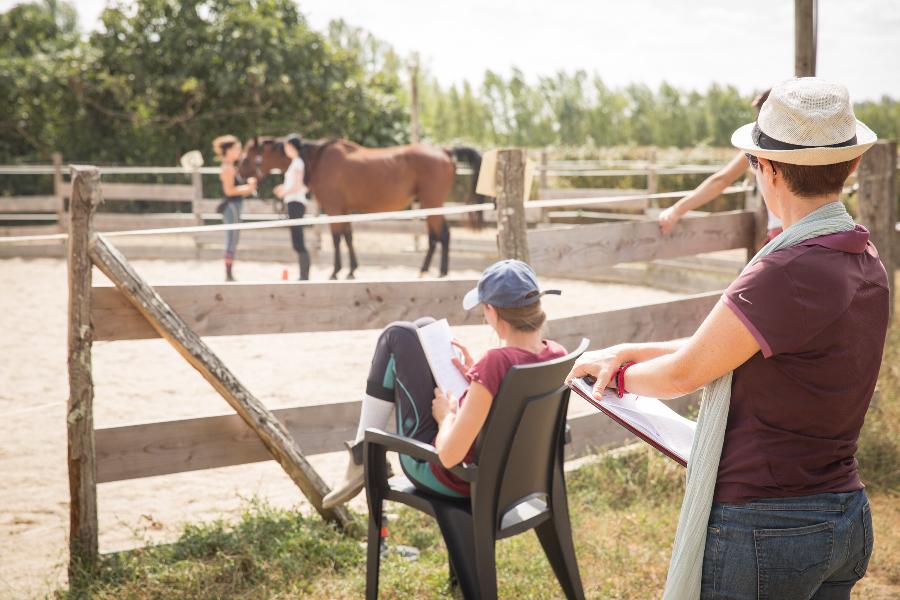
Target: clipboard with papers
column 647, row 418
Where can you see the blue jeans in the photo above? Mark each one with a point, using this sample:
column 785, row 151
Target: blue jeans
column 788, row 548
column 231, row 214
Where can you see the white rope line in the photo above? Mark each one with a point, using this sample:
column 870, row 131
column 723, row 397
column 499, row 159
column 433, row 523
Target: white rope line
column 360, row 218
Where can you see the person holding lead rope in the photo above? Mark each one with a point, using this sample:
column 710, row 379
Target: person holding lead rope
column 774, row 506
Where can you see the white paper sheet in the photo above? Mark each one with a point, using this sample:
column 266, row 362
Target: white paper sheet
column 650, row 416
column 435, row 339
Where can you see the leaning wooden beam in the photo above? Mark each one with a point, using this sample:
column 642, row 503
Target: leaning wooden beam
column 590, row 248
column 80, row 413
column 170, row 326
column 232, row 309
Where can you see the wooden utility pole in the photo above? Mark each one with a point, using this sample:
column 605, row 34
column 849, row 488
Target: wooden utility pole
column 877, row 201
column 805, row 37
column 80, row 413
column 512, row 240
column 414, row 98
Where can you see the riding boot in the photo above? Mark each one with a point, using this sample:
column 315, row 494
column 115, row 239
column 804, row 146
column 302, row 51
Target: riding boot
column 354, row 478
column 229, row 276
column 304, row 266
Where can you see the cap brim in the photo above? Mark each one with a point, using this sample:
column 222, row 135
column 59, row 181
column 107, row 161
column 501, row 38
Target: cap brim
column 471, row 299
column 865, row 139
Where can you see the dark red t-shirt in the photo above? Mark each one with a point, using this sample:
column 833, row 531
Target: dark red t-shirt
column 819, row 311
column 489, row 371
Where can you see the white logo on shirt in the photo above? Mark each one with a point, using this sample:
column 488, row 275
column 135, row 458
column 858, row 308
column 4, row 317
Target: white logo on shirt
column 741, row 296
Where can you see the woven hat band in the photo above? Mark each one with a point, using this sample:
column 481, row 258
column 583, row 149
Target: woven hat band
column 769, row 143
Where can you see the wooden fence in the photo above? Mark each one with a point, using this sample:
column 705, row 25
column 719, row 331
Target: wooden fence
column 184, row 314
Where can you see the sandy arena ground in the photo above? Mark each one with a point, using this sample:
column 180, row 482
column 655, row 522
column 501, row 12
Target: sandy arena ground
column 141, row 381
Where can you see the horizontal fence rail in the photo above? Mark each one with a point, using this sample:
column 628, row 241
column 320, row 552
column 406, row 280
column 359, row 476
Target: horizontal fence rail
column 289, row 307
column 609, row 201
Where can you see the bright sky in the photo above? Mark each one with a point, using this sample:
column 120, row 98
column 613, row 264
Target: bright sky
column 689, row 43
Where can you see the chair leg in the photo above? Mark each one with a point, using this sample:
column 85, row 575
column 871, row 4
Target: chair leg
column 556, row 539
column 486, row 564
column 373, row 550
column 456, row 528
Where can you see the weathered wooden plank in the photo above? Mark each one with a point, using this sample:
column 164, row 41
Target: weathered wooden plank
column 566, row 193
column 152, row 449
column 248, row 206
column 173, row 192
column 649, row 322
column 171, row 327
column 288, row 307
column 32, row 204
column 590, row 247
column 83, row 528
column 128, row 221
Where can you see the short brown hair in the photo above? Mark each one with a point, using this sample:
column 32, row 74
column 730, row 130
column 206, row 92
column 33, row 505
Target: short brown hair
column 525, row 318
column 809, row 181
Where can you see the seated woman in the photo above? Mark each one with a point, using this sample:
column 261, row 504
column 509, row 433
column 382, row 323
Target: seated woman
column 400, row 379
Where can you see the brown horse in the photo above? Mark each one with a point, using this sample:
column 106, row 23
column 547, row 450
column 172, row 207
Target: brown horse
column 347, row 178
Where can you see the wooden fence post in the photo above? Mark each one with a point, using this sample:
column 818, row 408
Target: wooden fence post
column 512, row 241
column 58, row 190
column 172, row 327
column 80, row 414
column 197, row 203
column 877, row 201
column 753, row 201
column 542, row 184
column 652, row 179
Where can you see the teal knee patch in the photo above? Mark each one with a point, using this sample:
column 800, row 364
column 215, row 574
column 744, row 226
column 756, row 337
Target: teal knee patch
column 388, row 382
column 421, row 472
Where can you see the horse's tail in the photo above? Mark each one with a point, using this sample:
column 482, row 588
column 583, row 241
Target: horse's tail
column 472, row 157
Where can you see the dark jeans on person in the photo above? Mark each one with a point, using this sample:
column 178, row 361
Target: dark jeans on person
column 296, row 210
column 400, row 374
column 788, row 548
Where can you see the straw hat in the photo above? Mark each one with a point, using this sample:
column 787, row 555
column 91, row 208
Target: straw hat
column 806, row 121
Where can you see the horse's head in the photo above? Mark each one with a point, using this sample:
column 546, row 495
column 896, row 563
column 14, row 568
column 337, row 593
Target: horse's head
column 263, row 155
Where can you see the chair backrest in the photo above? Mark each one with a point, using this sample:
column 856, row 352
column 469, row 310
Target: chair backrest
column 523, row 434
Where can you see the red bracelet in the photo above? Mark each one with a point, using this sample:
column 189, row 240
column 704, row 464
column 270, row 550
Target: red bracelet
column 620, row 378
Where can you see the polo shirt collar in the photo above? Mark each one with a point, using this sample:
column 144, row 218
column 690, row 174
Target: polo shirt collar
column 852, row 242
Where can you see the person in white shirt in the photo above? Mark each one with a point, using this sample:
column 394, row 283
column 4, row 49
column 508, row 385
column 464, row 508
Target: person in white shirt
column 293, row 193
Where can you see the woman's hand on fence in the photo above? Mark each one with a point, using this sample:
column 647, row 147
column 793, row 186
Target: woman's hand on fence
column 466, row 363
column 668, row 219
column 442, row 406
column 278, row 190
column 601, row 364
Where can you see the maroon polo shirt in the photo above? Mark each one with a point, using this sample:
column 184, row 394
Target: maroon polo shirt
column 819, row 311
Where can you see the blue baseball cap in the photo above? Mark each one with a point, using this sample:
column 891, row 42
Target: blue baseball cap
column 506, row 284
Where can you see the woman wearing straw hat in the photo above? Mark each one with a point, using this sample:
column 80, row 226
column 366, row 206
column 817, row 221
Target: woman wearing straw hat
column 789, row 357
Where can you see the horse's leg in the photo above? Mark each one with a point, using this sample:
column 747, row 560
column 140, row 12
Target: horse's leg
column 445, row 247
column 336, row 238
column 348, row 237
column 433, row 238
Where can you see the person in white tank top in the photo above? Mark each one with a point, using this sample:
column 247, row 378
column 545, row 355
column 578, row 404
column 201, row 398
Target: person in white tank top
column 293, row 193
